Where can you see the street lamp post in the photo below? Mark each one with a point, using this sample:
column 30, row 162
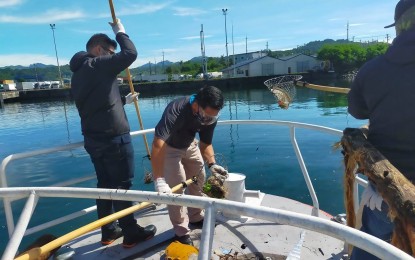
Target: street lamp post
column 225, row 11
column 52, row 26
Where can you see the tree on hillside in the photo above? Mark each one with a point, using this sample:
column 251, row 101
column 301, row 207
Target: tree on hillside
column 351, row 56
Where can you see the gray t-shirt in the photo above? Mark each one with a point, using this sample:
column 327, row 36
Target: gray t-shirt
column 178, row 125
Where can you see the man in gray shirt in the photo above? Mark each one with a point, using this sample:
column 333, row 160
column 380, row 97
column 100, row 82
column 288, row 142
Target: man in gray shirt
column 178, row 156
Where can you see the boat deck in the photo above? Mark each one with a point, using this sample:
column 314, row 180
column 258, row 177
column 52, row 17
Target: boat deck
column 239, row 237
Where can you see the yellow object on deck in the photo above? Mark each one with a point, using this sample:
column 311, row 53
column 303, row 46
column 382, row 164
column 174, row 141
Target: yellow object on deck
column 179, row 251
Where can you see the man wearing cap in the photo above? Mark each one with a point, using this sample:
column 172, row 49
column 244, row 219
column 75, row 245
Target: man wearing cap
column 177, row 156
column 384, row 92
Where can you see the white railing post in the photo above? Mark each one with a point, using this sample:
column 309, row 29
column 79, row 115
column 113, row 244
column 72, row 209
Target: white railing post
column 17, row 236
column 315, row 210
column 205, row 246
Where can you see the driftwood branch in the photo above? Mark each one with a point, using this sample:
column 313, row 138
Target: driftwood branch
column 397, row 191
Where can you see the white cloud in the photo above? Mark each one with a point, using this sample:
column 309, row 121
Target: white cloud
column 134, row 9
column 190, row 38
column 188, row 11
column 356, row 24
column 27, row 59
column 194, row 37
column 143, row 8
column 50, row 16
column 8, row 3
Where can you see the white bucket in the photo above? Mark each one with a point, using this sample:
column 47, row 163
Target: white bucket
column 235, row 187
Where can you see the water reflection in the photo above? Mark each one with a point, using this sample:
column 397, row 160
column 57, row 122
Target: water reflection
column 263, row 153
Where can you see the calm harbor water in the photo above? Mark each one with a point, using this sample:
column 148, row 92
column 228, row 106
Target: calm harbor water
column 263, row 153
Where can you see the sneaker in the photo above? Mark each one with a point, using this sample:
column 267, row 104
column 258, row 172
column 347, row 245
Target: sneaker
column 140, row 234
column 184, row 239
column 109, row 237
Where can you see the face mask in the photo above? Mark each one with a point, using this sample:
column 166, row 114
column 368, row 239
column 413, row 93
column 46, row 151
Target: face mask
column 205, row 119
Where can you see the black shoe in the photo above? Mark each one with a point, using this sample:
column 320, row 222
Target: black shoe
column 110, row 236
column 184, row 239
column 140, row 234
column 196, row 225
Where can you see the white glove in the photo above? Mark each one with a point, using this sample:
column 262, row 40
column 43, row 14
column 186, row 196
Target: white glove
column 130, row 98
column 117, row 27
column 161, row 186
column 372, row 199
column 219, row 172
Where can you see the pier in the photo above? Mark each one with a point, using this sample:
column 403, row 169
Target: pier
column 6, row 95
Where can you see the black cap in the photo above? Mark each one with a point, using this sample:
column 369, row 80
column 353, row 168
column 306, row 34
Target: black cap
column 401, row 7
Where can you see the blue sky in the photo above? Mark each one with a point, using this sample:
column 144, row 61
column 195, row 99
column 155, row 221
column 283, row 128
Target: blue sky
column 173, row 26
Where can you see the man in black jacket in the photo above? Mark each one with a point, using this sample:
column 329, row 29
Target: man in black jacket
column 105, row 126
column 384, row 92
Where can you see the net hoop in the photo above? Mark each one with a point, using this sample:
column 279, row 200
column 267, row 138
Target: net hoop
column 283, row 88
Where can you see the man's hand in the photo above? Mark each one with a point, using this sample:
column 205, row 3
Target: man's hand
column 372, row 199
column 219, row 172
column 130, row 98
column 161, row 186
column 117, row 27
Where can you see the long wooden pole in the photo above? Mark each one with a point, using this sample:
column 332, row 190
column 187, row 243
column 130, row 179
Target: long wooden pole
column 322, row 88
column 39, row 252
column 130, row 83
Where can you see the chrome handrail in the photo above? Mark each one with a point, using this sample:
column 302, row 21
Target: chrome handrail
column 350, row 235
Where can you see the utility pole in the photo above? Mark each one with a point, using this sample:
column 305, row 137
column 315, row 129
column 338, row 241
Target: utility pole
column 155, row 66
column 162, row 65
column 52, row 26
column 202, row 49
column 347, row 30
column 267, row 50
column 233, row 54
column 246, row 44
column 34, row 66
column 225, row 11
column 387, row 38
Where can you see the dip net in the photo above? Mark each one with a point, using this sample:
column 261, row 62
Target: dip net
column 283, row 88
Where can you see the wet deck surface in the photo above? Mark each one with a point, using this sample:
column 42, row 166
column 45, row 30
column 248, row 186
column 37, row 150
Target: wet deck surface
column 240, row 237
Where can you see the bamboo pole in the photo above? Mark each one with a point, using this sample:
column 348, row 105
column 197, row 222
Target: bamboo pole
column 41, row 252
column 322, row 88
column 130, row 83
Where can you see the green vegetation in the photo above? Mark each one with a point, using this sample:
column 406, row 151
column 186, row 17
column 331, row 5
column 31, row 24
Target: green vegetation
column 45, row 73
column 191, row 67
column 345, row 56
column 350, row 57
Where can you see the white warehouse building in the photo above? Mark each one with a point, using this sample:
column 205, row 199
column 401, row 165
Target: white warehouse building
column 268, row 66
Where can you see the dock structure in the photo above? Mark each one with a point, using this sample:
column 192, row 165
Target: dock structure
column 6, row 95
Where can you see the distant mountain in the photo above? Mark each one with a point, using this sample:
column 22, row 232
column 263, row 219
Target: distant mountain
column 158, row 65
column 40, row 65
column 197, row 59
column 35, row 65
column 18, row 67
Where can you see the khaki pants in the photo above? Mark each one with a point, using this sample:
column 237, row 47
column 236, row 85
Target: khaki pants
column 181, row 165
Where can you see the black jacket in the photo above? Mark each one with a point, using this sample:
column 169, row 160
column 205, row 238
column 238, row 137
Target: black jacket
column 384, row 92
column 96, row 91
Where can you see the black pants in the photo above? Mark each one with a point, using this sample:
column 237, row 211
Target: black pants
column 114, row 166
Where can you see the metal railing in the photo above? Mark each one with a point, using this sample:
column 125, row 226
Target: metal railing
column 210, row 206
column 350, row 235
